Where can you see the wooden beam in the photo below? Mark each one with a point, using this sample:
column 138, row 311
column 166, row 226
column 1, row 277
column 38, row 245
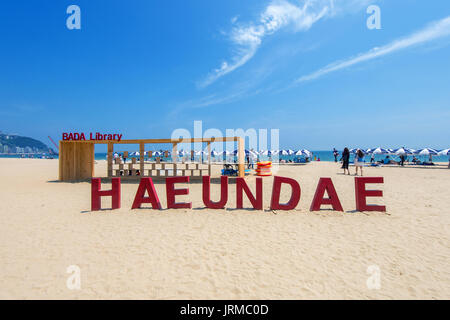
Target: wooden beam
column 137, row 141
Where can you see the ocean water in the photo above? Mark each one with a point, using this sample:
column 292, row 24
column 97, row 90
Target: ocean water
column 322, row 155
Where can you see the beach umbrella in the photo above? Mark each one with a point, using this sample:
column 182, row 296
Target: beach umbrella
column 307, row 152
column 214, row 153
column 380, row 150
column 274, row 152
column 445, row 152
column 403, row 151
column 225, row 152
column 284, row 152
column 157, row 153
column 427, row 152
column 369, row 151
column 290, row 151
column 265, row 152
column 299, row 153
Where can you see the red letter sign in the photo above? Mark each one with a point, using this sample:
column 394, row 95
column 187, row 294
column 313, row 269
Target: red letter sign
column 257, row 202
column 172, row 192
column 361, row 194
column 207, row 193
column 325, row 184
column 146, row 184
column 295, row 195
column 96, row 194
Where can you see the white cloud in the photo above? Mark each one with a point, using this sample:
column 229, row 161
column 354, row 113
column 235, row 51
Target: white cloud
column 277, row 15
column 435, row 30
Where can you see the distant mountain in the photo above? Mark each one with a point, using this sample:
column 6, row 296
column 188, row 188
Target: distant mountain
column 11, row 143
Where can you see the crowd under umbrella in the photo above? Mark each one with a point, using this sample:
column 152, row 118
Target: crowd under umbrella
column 427, row 152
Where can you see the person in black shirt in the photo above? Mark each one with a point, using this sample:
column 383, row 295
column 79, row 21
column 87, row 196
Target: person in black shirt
column 345, row 160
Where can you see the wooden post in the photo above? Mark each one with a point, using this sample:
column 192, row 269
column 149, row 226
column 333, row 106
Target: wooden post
column 141, row 158
column 109, row 158
column 60, row 160
column 174, row 157
column 241, row 157
column 209, row 158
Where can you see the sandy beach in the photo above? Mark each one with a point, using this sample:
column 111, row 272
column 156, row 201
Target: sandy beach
column 46, row 226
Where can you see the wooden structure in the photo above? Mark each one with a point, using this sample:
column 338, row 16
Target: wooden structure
column 76, row 159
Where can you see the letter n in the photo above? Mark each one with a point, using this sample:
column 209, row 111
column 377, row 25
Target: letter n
column 326, row 184
column 361, row 194
column 207, row 193
column 96, row 194
column 146, row 185
column 276, row 189
column 241, row 185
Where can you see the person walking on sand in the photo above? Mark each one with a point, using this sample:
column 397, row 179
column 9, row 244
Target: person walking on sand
column 345, row 160
column 335, row 154
column 359, row 160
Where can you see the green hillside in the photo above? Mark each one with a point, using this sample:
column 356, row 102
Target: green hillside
column 13, row 141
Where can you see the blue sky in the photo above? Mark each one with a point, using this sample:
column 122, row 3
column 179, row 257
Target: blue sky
column 309, row 68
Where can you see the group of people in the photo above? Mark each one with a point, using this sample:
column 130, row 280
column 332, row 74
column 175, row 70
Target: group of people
column 345, row 159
